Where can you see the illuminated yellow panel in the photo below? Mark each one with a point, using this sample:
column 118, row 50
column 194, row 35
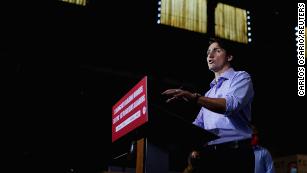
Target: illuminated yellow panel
column 230, row 23
column 185, row 14
column 78, row 2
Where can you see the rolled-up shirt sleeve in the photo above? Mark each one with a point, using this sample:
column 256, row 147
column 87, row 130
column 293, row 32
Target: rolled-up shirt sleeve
column 240, row 93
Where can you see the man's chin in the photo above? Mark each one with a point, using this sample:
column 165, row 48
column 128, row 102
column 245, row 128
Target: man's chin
column 212, row 69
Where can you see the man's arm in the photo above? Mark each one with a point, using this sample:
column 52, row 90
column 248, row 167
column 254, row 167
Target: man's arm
column 217, row 105
column 237, row 96
column 214, row 104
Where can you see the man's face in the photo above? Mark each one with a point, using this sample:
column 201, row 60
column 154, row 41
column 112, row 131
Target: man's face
column 216, row 57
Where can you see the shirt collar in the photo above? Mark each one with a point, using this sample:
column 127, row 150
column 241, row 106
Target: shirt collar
column 224, row 76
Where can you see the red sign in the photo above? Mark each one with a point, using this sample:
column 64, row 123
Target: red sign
column 130, row 111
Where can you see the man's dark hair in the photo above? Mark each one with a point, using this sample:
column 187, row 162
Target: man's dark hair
column 228, row 47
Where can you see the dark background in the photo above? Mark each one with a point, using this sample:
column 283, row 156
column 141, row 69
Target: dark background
column 69, row 64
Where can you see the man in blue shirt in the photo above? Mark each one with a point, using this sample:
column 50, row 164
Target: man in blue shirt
column 263, row 159
column 225, row 111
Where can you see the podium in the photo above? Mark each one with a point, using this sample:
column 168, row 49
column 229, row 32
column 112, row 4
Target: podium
column 156, row 130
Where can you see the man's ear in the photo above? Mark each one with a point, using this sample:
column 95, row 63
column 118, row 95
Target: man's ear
column 229, row 58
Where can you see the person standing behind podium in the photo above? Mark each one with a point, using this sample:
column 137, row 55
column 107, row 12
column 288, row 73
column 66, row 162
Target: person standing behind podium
column 225, row 111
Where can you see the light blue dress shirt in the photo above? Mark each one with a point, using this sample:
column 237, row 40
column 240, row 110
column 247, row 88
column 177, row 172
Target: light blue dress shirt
column 237, row 88
column 263, row 160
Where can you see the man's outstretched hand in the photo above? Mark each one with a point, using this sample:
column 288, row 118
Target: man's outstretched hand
column 179, row 94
